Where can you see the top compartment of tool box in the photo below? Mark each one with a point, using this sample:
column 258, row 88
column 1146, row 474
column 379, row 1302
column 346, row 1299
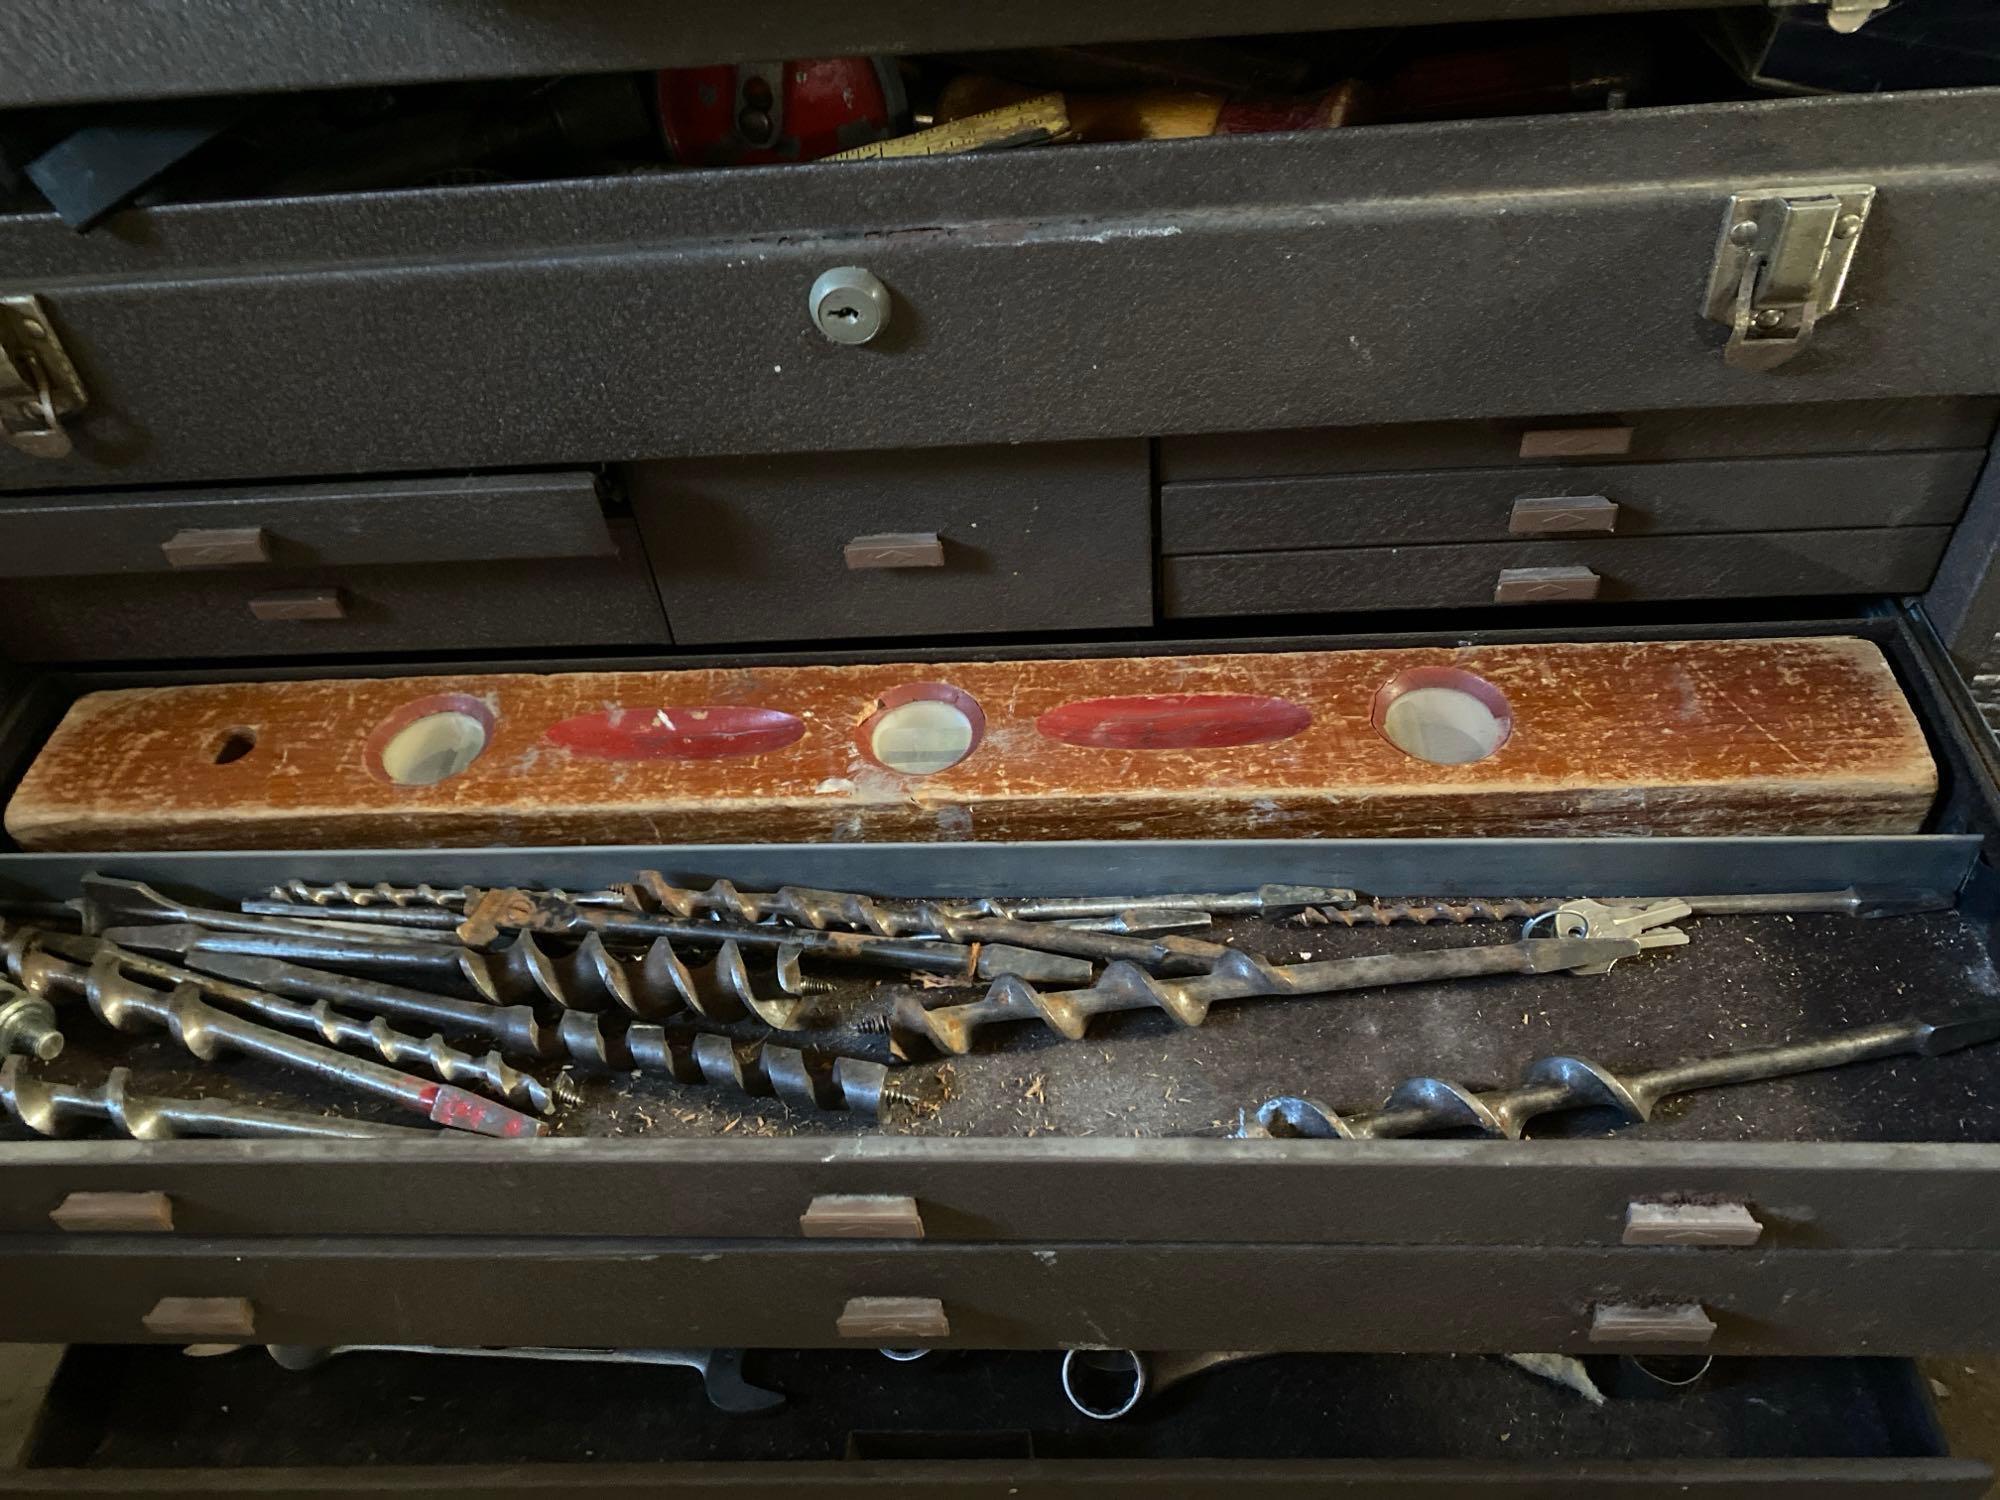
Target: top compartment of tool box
column 326, row 286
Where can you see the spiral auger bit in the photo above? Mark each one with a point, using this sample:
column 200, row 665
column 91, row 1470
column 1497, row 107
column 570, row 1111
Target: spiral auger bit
column 803, row 1076
column 1240, row 976
column 660, row 982
column 1425, row 1106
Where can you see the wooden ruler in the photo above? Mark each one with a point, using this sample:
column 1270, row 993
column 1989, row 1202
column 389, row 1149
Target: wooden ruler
column 1032, row 122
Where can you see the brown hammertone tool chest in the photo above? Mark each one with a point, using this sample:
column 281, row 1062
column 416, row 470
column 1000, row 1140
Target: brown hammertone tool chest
column 1472, row 376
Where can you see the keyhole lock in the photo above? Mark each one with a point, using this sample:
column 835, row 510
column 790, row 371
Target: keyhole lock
column 849, row 305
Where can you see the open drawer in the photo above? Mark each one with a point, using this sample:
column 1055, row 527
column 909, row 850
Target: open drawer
column 1086, row 1193
column 150, row 1422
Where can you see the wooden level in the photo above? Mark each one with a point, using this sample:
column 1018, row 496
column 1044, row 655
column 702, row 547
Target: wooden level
column 1806, row 736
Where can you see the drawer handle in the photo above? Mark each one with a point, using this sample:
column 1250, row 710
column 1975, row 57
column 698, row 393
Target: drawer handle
column 1685, row 1323
column 114, row 1213
column 862, row 1216
column 300, row 604
column 232, row 547
column 1543, row 585
column 1690, row 1224
column 1576, row 442
column 885, row 1319
column 895, row 549
column 219, row 1318
column 1538, row 515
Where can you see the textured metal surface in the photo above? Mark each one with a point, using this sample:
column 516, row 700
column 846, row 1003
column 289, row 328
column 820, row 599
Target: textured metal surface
column 1696, row 432
column 1037, row 537
column 485, row 519
column 1630, row 867
column 67, row 50
column 1480, row 504
column 1752, row 565
column 1311, row 247
column 413, row 607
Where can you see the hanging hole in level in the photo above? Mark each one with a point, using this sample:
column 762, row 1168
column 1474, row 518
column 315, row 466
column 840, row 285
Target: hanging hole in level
column 1442, row 715
column 234, row 745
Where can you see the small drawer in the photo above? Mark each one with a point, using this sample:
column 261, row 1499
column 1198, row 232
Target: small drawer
column 1466, row 505
column 1890, row 560
column 565, row 601
column 273, row 529
column 1636, row 437
column 954, row 541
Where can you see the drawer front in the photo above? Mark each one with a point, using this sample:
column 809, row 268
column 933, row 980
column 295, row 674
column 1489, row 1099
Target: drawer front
column 275, row 528
column 635, row 1293
column 1179, row 286
column 1897, row 560
column 295, row 612
column 1467, row 505
column 1574, row 1194
column 896, row 544
column 1637, row 437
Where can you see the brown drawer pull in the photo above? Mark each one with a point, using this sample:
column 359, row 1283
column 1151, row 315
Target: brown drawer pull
column 1545, row 585
column 862, row 1216
column 217, row 1318
column 1685, row 1323
column 300, row 604
column 1539, row 515
column 229, row 547
column 1690, row 1224
column 895, row 549
column 1576, row 442
column 114, row 1213
column 882, row 1319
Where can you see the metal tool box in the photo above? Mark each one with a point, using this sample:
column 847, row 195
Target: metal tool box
column 1466, row 369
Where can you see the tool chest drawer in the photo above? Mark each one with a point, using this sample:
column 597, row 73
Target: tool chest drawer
column 665, row 314
column 256, row 529
column 976, row 540
column 297, row 609
column 148, row 1421
column 1584, row 500
column 1744, row 565
column 635, row 1293
column 1697, row 432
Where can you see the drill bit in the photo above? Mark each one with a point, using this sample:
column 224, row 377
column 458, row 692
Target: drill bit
column 525, row 972
column 55, row 1108
column 500, row 911
column 651, row 893
column 525, row 912
column 432, row 1054
column 815, row 1079
column 107, row 903
column 1853, row 901
column 1421, row 1106
column 124, row 1004
column 1241, row 976
column 28, row 1025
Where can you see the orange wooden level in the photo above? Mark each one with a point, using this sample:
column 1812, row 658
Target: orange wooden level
column 1798, row 736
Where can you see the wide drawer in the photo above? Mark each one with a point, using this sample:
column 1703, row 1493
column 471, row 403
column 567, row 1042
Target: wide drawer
column 139, row 1420
column 272, row 528
column 963, row 541
column 1226, row 284
column 300, row 611
column 708, row 1294
column 1879, row 426
column 1467, row 505
column 1889, row 560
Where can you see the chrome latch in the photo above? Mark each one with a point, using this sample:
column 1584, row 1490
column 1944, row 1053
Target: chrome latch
column 39, row 387
column 1780, row 266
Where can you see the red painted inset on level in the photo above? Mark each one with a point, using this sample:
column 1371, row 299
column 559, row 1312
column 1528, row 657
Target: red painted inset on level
column 701, row 733
column 1174, row 721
